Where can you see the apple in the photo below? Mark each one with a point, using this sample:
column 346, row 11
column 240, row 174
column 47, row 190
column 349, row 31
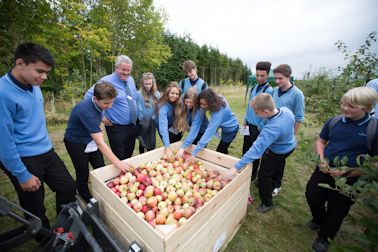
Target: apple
column 157, row 191
column 149, row 215
column 110, row 184
column 160, row 219
column 188, row 212
column 162, row 205
column 137, row 206
column 139, row 193
column 217, row 185
column 152, row 202
column 178, row 214
column 182, row 220
column 116, row 181
column 124, row 179
column 172, row 196
column 141, row 215
column 131, row 196
column 143, row 200
column 144, row 209
column 147, row 181
column 164, row 211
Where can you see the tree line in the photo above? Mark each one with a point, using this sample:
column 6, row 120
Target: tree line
column 86, row 35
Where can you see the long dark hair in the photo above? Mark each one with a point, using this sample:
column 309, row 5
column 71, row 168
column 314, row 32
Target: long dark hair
column 213, row 100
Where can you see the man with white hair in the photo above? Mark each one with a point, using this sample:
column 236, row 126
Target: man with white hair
column 121, row 119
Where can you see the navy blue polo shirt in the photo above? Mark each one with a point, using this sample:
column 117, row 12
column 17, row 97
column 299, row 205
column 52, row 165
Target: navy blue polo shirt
column 85, row 119
column 348, row 138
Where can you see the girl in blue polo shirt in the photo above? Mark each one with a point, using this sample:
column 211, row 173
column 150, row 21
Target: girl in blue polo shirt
column 221, row 116
column 147, row 104
column 172, row 119
column 191, row 108
column 84, row 139
column 345, row 136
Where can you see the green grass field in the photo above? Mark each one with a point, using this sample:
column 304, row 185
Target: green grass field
column 282, row 229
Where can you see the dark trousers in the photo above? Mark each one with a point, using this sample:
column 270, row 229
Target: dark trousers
column 122, row 139
column 143, row 149
column 174, row 138
column 271, row 164
column 198, row 138
column 81, row 161
column 331, row 216
column 247, row 144
column 50, row 169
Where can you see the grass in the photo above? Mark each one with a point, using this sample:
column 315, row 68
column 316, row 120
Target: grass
column 282, row 229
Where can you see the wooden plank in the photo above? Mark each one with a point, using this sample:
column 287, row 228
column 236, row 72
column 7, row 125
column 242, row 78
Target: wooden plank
column 215, row 157
column 155, row 240
column 118, row 227
column 219, row 229
column 185, row 232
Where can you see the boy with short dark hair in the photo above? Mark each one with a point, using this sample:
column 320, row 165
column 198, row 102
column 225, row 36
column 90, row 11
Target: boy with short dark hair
column 84, row 139
column 192, row 80
column 347, row 136
column 275, row 143
column 250, row 119
column 286, row 94
column 26, row 152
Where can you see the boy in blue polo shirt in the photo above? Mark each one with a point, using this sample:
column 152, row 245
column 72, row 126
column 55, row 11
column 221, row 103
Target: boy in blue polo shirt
column 286, row 94
column 345, row 137
column 192, row 80
column 250, row 119
column 26, row 152
column 275, row 143
column 84, row 139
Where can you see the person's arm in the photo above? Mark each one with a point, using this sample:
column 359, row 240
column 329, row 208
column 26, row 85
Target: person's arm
column 296, row 127
column 199, row 116
column 163, row 125
column 9, row 156
column 267, row 137
column 299, row 111
column 107, row 152
column 320, row 147
column 215, row 121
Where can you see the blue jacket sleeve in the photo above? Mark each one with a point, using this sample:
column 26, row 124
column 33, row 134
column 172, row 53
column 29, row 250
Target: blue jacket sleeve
column 163, row 125
column 266, row 137
column 9, row 156
column 215, row 121
column 89, row 93
column 140, row 102
column 299, row 109
column 194, row 129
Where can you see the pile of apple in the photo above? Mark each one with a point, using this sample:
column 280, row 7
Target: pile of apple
column 167, row 191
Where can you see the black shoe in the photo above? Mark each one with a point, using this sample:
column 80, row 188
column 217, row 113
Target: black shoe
column 263, row 209
column 313, row 225
column 320, row 245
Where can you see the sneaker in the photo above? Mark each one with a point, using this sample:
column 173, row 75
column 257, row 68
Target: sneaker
column 313, row 225
column 263, row 209
column 320, row 245
column 276, row 191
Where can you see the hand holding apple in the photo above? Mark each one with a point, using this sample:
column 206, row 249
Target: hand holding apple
column 169, row 153
column 230, row 174
column 124, row 167
column 180, row 152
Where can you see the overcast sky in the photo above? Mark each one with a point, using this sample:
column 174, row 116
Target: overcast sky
column 301, row 33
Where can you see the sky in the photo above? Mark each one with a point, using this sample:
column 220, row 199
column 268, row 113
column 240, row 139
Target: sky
column 301, row 33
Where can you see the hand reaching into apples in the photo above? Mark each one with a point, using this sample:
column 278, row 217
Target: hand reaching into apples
column 229, row 175
column 169, row 153
column 190, row 160
column 124, row 167
column 179, row 153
